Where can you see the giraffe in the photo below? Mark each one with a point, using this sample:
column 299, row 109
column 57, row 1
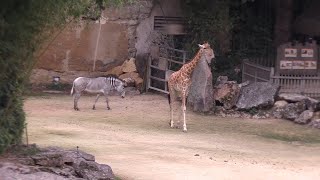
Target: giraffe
column 179, row 82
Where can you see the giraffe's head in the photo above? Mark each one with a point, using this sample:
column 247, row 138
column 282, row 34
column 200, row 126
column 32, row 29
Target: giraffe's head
column 206, row 52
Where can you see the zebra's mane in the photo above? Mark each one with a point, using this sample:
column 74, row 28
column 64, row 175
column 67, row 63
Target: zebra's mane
column 113, row 76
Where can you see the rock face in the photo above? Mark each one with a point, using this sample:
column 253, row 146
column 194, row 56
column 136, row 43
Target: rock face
column 201, row 91
column 78, row 49
column 56, row 164
column 257, row 95
column 227, row 93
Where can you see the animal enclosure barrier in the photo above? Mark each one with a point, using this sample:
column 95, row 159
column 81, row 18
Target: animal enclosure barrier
column 171, row 59
column 308, row 85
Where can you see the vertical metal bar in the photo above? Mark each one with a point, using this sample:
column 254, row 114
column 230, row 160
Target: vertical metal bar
column 271, row 75
column 302, row 86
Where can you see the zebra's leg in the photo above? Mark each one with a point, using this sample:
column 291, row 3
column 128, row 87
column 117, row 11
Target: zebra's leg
column 94, row 105
column 107, row 100
column 76, row 98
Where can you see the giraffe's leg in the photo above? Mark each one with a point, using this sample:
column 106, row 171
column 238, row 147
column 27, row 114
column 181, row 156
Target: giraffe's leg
column 76, row 98
column 97, row 98
column 184, row 110
column 171, row 102
column 107, row 100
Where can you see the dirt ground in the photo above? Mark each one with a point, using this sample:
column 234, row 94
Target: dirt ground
column 135, row 139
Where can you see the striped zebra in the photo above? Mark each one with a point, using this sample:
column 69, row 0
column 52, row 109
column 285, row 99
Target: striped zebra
column 99, row 85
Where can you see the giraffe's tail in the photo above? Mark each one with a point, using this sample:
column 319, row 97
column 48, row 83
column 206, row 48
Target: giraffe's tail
column 169, row 100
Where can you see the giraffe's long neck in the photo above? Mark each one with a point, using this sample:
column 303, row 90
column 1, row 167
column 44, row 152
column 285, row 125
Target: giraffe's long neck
column 189, row 67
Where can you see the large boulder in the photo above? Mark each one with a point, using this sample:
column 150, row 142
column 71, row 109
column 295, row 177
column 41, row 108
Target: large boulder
column 280, row 104
column 57, row 164
column 257, row 95
column 304, row 117
column 278, row 109
column 227, row 93
column 312, row 104
column 115, row 71
column 201, row 91
column 293, row 110
column 129, row 66
column 315, row 123
column 291, row 97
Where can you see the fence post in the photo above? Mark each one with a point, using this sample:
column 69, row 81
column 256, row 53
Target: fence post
column 271, row 74
column 184, row 56
column 303, row 85
column 148, row 73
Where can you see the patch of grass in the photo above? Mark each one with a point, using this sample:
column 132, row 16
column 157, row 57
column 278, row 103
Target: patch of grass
column 280, row 130
column 305, row 138
column 117, row 178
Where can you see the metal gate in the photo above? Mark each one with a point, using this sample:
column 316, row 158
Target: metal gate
column 168, row 60
column 301, row 84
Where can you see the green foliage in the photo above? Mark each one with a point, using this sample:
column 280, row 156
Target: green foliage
column 24, row 25
column 253, row 111
column 22, row 150
column 253, row 32
column 235, row 29
column 213, row 21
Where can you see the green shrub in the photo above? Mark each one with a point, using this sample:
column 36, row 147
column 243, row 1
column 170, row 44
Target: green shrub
column 24, row 27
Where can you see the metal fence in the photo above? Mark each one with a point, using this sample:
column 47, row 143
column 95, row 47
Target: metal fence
column 254, row 72
column 172, row 60
column 306, row 85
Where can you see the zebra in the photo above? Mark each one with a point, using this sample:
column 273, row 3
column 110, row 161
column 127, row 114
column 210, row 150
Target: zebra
column 97, row 85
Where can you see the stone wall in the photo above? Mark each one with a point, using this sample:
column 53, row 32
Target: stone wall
column 72, row 53
column 125, row 32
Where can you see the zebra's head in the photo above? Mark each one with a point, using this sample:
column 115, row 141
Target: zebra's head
column 117, row 84
column 120, row 87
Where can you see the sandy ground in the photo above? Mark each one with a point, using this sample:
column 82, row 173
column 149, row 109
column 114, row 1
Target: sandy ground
column 135, row 139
